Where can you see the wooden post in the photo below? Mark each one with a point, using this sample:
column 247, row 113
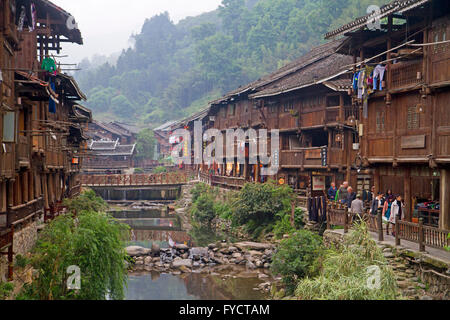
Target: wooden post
column 346, row 221
column 421, row 236
column 407, row 191
column 328, row 219
column 24, row 188
column 397, row 233
column 380, row 225
column 11, row 256
column 46, row 195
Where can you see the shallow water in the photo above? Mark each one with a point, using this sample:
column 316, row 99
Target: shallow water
column 193, row 286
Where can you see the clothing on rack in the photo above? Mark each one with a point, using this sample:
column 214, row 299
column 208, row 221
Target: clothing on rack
column 378, row 75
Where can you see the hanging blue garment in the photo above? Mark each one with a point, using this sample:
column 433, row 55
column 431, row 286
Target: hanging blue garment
column 51, row 103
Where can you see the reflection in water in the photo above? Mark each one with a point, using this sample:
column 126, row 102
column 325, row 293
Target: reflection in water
column 193, row 286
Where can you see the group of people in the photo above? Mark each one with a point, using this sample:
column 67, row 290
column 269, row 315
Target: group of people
column 391, row 206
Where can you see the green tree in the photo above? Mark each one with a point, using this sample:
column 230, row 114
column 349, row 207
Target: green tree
column 145, row 144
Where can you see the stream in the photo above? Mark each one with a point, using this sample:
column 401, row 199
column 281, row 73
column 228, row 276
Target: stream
column 156, row 225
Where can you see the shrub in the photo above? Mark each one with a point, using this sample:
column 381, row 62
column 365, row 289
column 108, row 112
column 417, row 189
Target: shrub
column 87, row 201
column 138, row 170
column 203, row 209
column 199, row 189
column 261, row 203
column 345, row 272
column 159, row 169
column 296, row 257
column 21, row 261
column 6, row 289
column 92, row 241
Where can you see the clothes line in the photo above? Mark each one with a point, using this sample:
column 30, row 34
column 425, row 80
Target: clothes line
column 378, row 55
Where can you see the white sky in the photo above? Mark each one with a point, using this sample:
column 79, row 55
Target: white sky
column 106, row 25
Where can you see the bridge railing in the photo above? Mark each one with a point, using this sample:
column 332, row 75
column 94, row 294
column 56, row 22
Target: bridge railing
column 134, row 179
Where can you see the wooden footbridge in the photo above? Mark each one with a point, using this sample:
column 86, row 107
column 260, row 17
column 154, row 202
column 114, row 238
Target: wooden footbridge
column 134, row 180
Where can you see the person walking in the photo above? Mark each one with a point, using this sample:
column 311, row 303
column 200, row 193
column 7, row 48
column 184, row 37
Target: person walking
column 332, row 192
column 376, row 204
column 350, row 197
column 397, row 208
column 357, row 206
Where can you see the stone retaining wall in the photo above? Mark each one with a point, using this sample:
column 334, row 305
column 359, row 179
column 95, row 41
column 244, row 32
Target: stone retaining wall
column 24, row 240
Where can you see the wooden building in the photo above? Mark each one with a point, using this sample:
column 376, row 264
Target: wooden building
column 308, row 102
column 126, row 134
column 106, row 156
column 41, row 123
column 405, row 125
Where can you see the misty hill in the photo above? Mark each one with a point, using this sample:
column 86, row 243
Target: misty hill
column 174, row 70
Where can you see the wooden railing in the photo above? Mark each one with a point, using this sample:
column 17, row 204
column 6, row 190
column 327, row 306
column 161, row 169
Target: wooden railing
column 405, row 74
column 74, row 191
column 421, row 234
column 134, row 179
column 234, row 182
column 25, row 211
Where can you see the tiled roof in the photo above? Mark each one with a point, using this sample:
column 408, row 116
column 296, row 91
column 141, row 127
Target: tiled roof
column 314, row 55
column 104, row 145
column 320, row 71
column 397, row 6
column 120, row 150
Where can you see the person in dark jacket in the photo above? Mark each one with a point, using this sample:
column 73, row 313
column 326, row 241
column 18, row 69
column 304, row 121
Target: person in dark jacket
column 376, row 204
column 351, row 195
column 332, row 191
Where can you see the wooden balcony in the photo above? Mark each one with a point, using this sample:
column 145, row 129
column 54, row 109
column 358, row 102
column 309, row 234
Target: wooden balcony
column 23, row 152
column 301, row 158
column 332, row 114
column 405, row 74
column 25, row 211
column 123, row 180
column 7, row 161
column 55, row 159
column 233, row 182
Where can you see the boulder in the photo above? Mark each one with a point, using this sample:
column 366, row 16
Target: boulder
column 259, row 264
column 250, row 265
column 247, row 245
column 181, row 246
column 232, row 249
column 182, row 262
column 255, row 253
column 237, row 255
column 155, row 249
column 148, row 261
column 136, row 251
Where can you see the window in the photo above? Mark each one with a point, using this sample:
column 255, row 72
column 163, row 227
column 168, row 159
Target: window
column 413, row 120
column 9, row 127
column 231, row 109
column 288, row 106
column 273, row 109
column 380, row 121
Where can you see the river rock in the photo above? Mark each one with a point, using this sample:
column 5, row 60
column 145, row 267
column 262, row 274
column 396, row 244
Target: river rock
column 182, row 262
column 212, row 246
column 185, row 255
column 259, row 264
column 148, row 261
column 237, row 255
column 247, row 245
column 255, row 253
column 136, row 251
column 250, row 265
column 181, row 246
column 155, row 249
column 232, row 249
